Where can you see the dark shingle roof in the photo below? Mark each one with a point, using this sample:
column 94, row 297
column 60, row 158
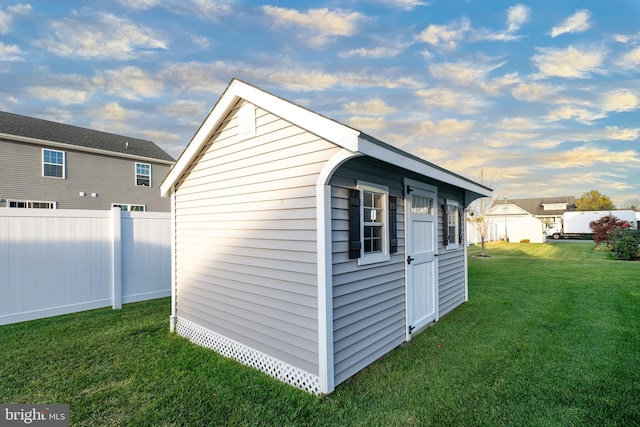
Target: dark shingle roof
column 30, row 127
column 535, row 206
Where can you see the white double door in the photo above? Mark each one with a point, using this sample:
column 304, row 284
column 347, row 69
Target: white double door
column 421, row 250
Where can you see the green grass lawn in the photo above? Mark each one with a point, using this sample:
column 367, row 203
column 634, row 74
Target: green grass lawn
column 550, row 336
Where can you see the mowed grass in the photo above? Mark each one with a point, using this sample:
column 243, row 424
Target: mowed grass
column 550, row 336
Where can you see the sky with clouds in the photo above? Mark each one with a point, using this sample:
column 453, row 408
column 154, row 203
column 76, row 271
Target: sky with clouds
column 542, row 96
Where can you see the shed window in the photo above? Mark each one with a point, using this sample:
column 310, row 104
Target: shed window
column 374, row 217
column 143, row 174
column 453, row 228
column 53, row 163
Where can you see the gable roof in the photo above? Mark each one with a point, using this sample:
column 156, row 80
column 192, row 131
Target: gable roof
column 32, row 130
column 535, row 206
column 351, row 139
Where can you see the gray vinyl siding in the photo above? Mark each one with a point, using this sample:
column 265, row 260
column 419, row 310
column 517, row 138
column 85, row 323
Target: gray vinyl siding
column 246, row 240
column 111, row 178
column 451, row 279
column 368, row 301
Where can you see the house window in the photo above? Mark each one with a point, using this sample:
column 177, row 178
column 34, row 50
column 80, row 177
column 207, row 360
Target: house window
column 374, row 217
column 53, row 163
column 452, row 225
column 143, row 174
column 554, row 206
column 28, row 204
column 129, row 207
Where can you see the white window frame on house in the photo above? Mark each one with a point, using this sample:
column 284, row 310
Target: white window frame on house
column 30, row 204
column 554, row 206
column 142, row 176
column 54, row 164
column 453, row 222
column 129, row 207
column 374, row 218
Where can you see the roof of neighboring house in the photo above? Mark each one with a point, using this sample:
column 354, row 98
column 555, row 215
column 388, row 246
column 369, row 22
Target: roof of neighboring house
column 535, row 206
column 353, row 140
column 29, row 129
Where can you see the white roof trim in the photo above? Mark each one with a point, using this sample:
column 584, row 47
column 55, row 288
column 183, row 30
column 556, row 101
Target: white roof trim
column 313, row 122
column 330, row 130
column 512, row 209
column 407, row 162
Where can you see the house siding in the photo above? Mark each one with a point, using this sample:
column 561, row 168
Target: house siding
column 368, row 301
column 451, row 272
column 245, row 219
column 111, row 178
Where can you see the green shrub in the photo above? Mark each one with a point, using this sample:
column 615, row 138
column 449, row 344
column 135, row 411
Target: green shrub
column 605, row 228
column 627, row 244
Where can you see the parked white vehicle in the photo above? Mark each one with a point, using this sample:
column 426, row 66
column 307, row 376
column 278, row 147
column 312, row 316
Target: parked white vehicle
column 576, row 224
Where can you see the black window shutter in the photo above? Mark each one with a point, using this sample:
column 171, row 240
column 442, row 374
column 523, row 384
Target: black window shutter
column 393, row 225
column 460, row 224
column 354, row 224
column 445, row 224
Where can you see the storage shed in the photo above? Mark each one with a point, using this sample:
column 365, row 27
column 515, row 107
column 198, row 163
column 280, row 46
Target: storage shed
column 306, row 248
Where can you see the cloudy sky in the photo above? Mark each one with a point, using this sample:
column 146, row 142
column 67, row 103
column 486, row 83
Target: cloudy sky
column 543, row 96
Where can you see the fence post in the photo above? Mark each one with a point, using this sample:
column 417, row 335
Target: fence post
column 116, row 259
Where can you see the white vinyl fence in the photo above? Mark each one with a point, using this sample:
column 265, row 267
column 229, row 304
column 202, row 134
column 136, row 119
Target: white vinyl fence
column 495, row 231
column 56, row 261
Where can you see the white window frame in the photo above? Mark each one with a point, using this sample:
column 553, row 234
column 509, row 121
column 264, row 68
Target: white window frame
column 29, row 204
column 453, row 214
column 136, row 174
column 126, row 207
column 384, row 254
column 64, row 164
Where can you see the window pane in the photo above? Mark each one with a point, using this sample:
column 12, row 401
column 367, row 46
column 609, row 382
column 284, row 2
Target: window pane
column 53, row 170
column 422, row 205
column 377, row 201
column 372, row 239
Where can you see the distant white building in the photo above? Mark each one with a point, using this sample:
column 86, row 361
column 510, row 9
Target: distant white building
column 515, row 224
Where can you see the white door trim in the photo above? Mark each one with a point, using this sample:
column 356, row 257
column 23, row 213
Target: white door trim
column 409, row 289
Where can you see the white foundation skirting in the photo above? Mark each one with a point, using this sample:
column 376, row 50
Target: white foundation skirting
column 248, row 356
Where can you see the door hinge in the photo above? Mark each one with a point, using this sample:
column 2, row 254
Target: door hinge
column 411, row 328
column 409, row 189
column 409, row 259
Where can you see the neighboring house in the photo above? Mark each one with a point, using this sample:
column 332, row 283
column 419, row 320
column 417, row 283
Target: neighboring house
column 547, row 209
column 520, row 225
column 306, row 248
column 48, row 165
column 526, row 219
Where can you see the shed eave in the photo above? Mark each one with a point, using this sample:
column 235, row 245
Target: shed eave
column 382, row 151
column 326, row 128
